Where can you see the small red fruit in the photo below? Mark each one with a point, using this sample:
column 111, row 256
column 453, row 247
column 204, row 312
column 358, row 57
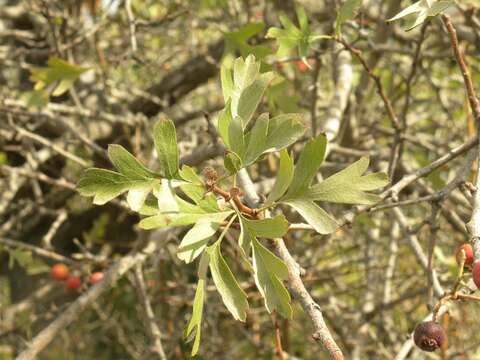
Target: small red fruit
column 468, row 250
column 74, row 282
column 429, row 336
column 476, row 274
column 301, row 66
column 96, row 277
column 59, row 272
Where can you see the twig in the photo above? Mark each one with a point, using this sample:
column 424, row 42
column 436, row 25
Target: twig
column 36, row 250
column 474, row 223
column 278, row 338
column 295, row 284
column 154, row 330
column 131, row 22
column 42, row 339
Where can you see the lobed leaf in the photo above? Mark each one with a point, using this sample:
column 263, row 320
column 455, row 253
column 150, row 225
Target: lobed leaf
column 196, row 240
column 269, row 271
column 307, row 166
column 322, row 222
column 105, row 185
column 284, row 178
column 349, row 186
column 127, row 164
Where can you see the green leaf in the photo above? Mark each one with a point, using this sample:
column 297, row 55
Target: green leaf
column 272, row 135
column 439, row 7
column 424, row 9
column 284, row 130
column 227, row 83
column 196, row 240
column 269, row 273
column 22, row 257
column 307, row 166
column 245, row 72
column 238, row 40
column 187, row 173
column 136, row 197
column 243, row 93
column 250, row 97
column 245, row 240
column 59, row 73
column 348, row 186
column 127, row 164
column 195, row 322
column 236, row 137
column 167, row 203
column 287, row 38
column 232, row 162
column 291, row 36
column 257, row 139
column 412, row 9
column 104, row 185
column 232, row 294
column 195, row 190
column 149, row 207
column 280, row 96
column 284, row 178
column 223, row 121
column 165, row 139
column 172, row 219
column 346, row 13
column 314, row 215
column 268, row 228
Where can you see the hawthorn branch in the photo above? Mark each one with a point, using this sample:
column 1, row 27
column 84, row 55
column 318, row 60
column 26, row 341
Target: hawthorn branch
column 474, row 223
column 154, row 330
column 295, row 284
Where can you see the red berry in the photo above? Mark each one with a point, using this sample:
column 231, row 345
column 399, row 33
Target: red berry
column 429, row 336
column 476, row 274
column 468, row 250
column 73, row 282
column 59, row 272
column 301, row 66
column 96, row 277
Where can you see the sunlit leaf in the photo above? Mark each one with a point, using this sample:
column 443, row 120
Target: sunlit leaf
column 349, row 186
column 165, row 139
column 284, row 178
column 322, row 222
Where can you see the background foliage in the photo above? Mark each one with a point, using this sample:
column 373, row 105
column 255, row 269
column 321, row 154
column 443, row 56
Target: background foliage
column 77, row 76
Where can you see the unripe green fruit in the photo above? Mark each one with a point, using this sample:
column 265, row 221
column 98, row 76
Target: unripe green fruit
column 429, row 336
column 59, row 272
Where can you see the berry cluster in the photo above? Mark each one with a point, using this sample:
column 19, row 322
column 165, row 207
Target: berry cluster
column 429, row 335
column 61, row 273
